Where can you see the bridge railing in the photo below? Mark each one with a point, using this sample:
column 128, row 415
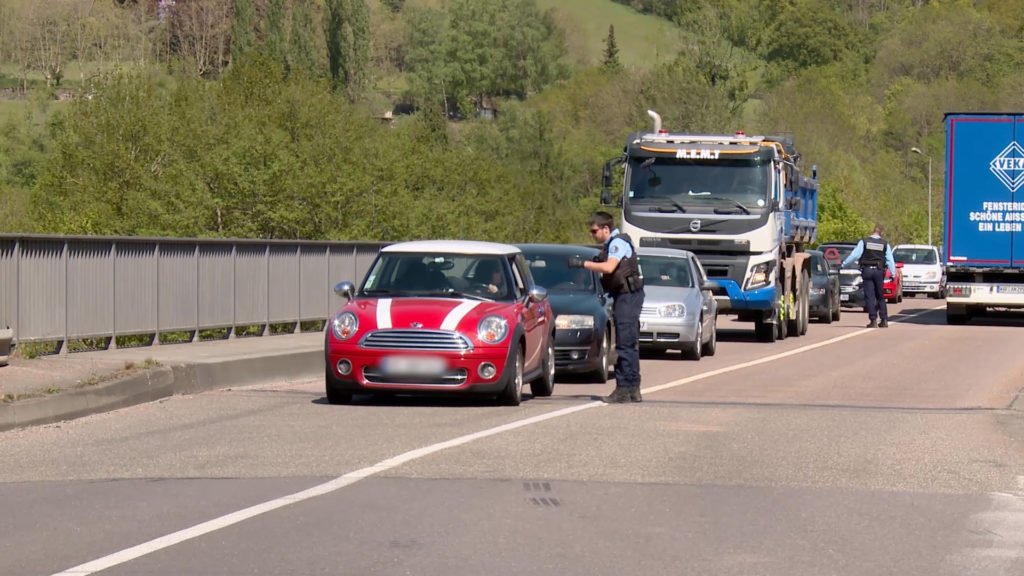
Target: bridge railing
column 66, row 288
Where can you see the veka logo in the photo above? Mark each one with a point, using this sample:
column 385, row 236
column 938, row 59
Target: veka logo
column 1008, row 166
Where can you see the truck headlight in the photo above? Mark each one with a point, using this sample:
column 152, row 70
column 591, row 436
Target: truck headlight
column 760, row 275
column 345, row 325
column 573, row 322
column 933, row 275
column 492, row 329
column 671, row 310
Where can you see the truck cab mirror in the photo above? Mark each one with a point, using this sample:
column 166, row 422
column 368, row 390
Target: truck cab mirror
column 775, row 205
column 794, row 203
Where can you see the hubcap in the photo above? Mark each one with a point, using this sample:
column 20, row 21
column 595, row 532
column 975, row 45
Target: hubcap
column 551, row 362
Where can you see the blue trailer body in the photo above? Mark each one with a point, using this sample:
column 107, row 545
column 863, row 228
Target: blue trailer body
column 984, row 213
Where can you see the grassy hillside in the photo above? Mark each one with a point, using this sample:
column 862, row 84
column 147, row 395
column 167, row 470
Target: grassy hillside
column 643, row 40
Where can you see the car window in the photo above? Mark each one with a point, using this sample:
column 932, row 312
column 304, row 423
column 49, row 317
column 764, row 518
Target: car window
column 521, row 272
column 701, row 275
column 419, row 274
column 820, row 266
column 666, row 271
column 553, row 273
column 836, row 253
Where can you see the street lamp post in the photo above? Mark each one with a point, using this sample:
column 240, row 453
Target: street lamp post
column 918, row 151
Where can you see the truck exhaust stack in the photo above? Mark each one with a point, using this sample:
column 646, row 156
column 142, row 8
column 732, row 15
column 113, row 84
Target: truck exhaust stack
column 657, row 121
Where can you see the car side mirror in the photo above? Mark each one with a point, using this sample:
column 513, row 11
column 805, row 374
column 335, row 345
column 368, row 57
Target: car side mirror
column 346, row 290
column 537, row 294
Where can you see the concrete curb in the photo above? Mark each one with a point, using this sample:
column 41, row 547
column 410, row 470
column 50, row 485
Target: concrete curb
column 160, row 382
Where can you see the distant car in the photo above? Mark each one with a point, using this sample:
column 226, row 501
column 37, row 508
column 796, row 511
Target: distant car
column 893, row 287
column 922, row 270
column 824, row 298
column 850, row 293
column 584, row 332
column 442, row 317
column 679, row 312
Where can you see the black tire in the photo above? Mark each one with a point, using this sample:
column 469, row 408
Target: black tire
column 804, row 306
column 764, row 331
column 781, row 328
column 600, row 374
column 512, row 395
column 333, row 392
column 837, row 313
column 711, row 346
column 956, row 316
column 826, row 318
column 544, row 384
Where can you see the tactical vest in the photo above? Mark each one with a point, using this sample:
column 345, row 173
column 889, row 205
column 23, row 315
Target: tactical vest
column 874, row 253
column 626, row 276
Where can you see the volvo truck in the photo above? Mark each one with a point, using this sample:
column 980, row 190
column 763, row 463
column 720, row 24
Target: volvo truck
column 740, row 203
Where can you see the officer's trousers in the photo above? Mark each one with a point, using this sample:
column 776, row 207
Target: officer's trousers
column 626, row 310
column 874, row 293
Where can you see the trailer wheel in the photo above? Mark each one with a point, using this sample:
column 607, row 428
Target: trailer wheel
column 764, row 330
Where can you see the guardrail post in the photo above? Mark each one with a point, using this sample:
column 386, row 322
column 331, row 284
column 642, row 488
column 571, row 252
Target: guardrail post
column 156, row 263
column 233, row 331
column 113, row 296
column 298, row 294
column 64, row 343
column 195, row 335
column 266, row 317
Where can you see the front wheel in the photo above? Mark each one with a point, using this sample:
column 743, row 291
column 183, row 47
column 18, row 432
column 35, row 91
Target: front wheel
column 693, row 351
column 712, row 344
column 332, row 389
column 600, row 374
column 512, row 395
column 544, row 384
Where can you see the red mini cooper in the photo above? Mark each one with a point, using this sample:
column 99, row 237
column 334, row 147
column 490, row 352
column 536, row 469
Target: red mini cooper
column 442, row 316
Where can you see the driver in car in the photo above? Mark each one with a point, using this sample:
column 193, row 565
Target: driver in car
column 490, row 278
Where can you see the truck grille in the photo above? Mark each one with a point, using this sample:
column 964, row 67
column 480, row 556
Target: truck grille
column 416, row 340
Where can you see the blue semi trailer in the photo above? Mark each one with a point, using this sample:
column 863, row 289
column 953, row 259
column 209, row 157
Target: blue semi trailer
column 740, row 203
column 984, row 216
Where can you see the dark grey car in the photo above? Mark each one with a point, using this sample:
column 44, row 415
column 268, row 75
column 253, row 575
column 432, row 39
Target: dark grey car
column 584, row 334
column 824, row 297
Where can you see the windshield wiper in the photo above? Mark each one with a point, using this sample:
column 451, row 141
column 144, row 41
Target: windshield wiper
column 736, row 204
column 377, row 291
column 676, row 207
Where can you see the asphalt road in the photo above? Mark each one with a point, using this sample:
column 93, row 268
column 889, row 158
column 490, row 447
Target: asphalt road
column 846, row 451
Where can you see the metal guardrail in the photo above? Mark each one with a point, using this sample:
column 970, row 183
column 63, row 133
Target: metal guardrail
column 64, row 288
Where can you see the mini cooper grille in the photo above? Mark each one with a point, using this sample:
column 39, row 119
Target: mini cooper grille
column 456, row 377
column 416, row 340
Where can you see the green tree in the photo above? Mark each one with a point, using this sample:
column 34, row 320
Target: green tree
column 611, row 50
column 243, row 28
column 275, row 38
column 337, row 41
column 302, row 46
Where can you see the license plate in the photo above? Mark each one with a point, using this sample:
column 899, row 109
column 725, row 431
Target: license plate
column 413, row 365
column 1012, row 289
column 844, row 297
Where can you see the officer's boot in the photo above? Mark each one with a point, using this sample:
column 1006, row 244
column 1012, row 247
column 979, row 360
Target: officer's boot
column 634, row 394
column 619, row 396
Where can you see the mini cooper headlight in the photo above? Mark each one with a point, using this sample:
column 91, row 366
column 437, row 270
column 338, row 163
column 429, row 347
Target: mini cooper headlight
column 573, row 322
column 345, row 325
column 671, row 310
column 492, row 329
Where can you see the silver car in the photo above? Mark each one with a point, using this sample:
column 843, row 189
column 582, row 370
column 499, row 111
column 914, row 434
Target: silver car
column 679, row 311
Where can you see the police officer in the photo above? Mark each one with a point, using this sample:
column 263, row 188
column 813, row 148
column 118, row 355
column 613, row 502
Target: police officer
column 874, row 255
column 620, row 277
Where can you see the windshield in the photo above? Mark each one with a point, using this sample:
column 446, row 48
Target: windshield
column 666, row 271
column 915, row 255
column 456, row 275
column 553, row 273
column 724, row 186
column 835, row 254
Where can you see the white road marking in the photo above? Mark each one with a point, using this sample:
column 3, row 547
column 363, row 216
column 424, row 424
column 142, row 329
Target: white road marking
column 384, row 313
column 340, row 482
column 451, row 321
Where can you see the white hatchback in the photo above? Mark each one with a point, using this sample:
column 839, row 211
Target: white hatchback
column 922, row 270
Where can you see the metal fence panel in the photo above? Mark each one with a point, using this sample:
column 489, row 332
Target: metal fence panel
column 313, row 282
column 251, row 284
column 42, row 290
column 9, row 284
column 216, row 286
column 179, row 288
column 284, row 283
column 135, row 288
column 90, row 291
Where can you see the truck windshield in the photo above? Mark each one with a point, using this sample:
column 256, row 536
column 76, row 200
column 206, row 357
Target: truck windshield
column 724, row 185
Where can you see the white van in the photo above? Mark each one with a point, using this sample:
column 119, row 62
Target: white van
column 922, row 270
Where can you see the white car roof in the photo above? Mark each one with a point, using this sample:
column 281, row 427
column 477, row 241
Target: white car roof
column 453, row 247
column 898, row 246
